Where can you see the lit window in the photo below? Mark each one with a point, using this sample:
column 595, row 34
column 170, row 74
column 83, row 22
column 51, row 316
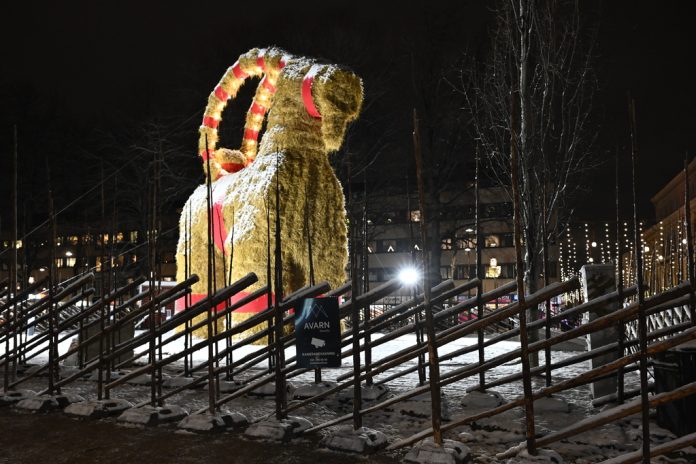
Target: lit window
column 415, row 216
column 492, row 241
column 70, row 262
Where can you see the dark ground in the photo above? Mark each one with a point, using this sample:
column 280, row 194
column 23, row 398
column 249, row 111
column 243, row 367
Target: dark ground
column 55, row 438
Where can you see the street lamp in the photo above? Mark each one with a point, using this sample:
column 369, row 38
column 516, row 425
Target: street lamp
column 409, row 276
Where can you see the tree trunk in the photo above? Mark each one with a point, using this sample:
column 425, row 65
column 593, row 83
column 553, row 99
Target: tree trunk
column 531, row 270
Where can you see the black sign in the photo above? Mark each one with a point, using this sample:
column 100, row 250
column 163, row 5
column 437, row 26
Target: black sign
column 318, row 332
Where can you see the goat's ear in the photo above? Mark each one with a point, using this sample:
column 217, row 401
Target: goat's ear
column 338, row 96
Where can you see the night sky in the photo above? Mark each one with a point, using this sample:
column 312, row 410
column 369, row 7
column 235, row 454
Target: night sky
column 90, row 67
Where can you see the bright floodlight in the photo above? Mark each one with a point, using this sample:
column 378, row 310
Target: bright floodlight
column 408, row 276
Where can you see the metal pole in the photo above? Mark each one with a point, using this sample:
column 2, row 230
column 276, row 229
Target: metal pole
column 527, row 380
column 642, row 319
column 229, row 359
column 187, row 298
column 479, row 276
column 211, row 271
column 355, row 313
column 310, row 262
column 366, row 308
column 434, row 364
column 10, row 313
column 269, row 282
column 545, row 253
column 103, row 309
column 14, row 263
column 418, row 316
column 281, row 392
column 154, row 308
column 689, row 238
column 620, row 329
column 52, row 346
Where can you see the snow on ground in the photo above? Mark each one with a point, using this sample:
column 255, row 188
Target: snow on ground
column 485, row 438
column 379, row 352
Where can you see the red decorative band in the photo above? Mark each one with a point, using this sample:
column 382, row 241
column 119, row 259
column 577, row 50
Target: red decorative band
column 261, row 63
column 251, row 134
column 258, row 109
column 232, row 167
column 210, row 122
column 219, row 228
column 237, row 71
column 221, row 94
column 268, row 86
column 307, row 83
column 254, row 306
column 204, row 155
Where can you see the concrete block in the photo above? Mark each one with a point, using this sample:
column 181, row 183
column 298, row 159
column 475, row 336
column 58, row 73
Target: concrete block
column 94, row 376
column 299, row 425
column 477, row 400
column 421, row 406
column 277, row 431
column 308, row 390
column 373, row 392
column 98, row 409
column 551, row 404
column 66, row 399
column 268, row 389
column 45, row 403
column 178, row 382
column 598, row 280
column 229, row 386
column 360, row 441
column 151, row 416
column 42, row 403
column 235, row 420
column 144, row 380
column 369, row 393
column 15, row 396
column 542, row 456
column 427, row 452
column 212, row 423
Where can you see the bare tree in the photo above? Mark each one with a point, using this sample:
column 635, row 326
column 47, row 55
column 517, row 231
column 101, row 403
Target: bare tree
column 536, row 86
column 539, row 66
column 128, row 157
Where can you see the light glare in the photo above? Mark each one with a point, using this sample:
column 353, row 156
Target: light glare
column 409, row 276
